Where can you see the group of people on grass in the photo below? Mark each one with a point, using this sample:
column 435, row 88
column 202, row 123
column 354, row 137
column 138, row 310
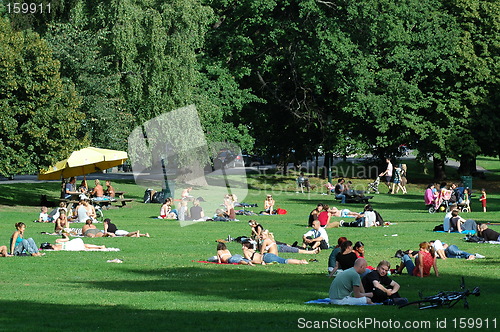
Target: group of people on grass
column 355, row 282
column 366, row 218
column 21, row 246
column 262, row 248
column 227, row 211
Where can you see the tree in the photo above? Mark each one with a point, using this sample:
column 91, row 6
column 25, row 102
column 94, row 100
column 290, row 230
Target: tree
column 38, row 117
column 107, row 120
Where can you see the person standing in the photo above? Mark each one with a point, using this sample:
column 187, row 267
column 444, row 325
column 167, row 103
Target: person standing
column 388, row 174
column 482, row 199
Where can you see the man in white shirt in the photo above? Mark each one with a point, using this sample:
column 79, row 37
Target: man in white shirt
column 316, row 237
column 388, row 174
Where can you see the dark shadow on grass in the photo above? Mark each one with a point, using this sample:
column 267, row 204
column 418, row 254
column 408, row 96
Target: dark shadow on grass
column 204, row 286
column 222, row 281
column 28, row 194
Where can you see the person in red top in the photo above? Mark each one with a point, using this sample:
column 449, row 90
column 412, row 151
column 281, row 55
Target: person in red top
column 425, row 260
column 483, row 199
column 324, row 216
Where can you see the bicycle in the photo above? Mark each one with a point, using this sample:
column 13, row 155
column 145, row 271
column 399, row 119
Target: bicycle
column 448, row 299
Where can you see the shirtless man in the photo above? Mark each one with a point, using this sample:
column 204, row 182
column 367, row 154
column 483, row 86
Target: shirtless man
column 343, row 213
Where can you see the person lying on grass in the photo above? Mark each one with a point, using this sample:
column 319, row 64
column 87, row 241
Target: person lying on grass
column 19, row 245
column 111, row 230
column 224, row 256
column 269, row 245
column 443, row 251
column 488, row 234
column 3, row 252
column 267, row 258
column 73, row 245
column 344, row 213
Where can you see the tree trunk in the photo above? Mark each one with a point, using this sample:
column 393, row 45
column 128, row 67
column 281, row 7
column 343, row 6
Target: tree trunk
column 439, row 171
column 467, row 165
column 316, row 164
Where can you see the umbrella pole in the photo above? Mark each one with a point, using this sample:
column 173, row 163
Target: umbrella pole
column 167, row 191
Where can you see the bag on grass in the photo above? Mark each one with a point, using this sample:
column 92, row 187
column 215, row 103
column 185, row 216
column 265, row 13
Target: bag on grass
column 281, row 211
column 148, row 195
column 438, row 228
column 474, row 238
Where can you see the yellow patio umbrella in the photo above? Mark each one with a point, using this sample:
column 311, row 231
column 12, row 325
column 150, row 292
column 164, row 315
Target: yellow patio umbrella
column 84, row 161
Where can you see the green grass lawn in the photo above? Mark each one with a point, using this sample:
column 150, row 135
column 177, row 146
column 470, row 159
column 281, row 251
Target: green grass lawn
column 159, row 287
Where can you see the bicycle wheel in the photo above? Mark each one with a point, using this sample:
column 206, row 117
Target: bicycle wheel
column 99, row 214
column 422, row 304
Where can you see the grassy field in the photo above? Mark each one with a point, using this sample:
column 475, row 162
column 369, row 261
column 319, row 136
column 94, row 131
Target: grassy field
column 160, row 287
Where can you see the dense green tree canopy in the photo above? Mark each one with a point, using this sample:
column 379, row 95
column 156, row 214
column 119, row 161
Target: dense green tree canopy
column 38, row 116
column 287, row 77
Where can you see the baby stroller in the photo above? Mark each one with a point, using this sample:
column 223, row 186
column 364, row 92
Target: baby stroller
column 373, row 187
column 442, row 204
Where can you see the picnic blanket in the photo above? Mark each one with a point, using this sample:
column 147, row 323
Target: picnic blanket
column 327, row 301
column 467, row 232
column 106, row 249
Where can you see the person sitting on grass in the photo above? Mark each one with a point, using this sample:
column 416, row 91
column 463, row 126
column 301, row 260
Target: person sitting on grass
column 269, row 205
column 359, row 249
column 54, row 214
column 315, row 213
column 224, row 256
column 316, row 237
column 19, row 245
column 166, row 211
column 424, row 261
column 90, row 230
column 257, row 230
column 332, row 259
column 267, row 258
column 44, row 216
column 111, row 230
column 459, row 224
column 367, row 219
column 61, row 223
column 378, row 283
column 196, row 211
column 349, row 283
column 346, row 257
